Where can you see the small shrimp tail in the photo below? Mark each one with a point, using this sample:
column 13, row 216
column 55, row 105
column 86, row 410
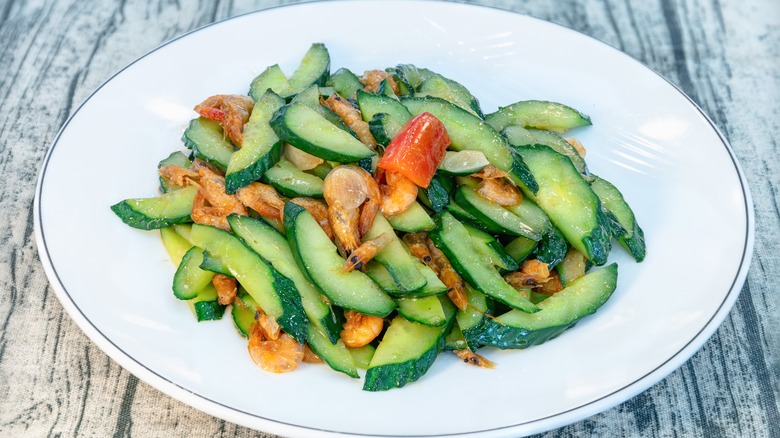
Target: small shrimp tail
column 365, row 252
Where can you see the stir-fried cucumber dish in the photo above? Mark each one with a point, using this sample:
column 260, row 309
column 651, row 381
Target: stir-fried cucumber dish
column 375, row 221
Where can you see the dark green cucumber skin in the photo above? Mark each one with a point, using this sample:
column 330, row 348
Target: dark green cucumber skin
column 627, row 231
column 219, row 156
column 344, row 82
column 136, row 219
column 552, row 248
column 397, row 375
column 214, row 264
column 461, row 197
column 519, row 136
column 244, row 177
column 293, row 320
column 596, row 242
column 371, row 104
column 437, row 195
column 209, row 310
column 384, row 128
column 497, row 334
column 279, row 125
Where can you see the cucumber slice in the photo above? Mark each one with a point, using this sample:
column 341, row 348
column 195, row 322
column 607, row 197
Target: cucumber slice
column 491, row 249
column 406, row 352
column 190, row 279
column 412, row 76
column 455, row 242
column 271, row 245
column 414, row 219
column 494, row 216
column 275, row 293
column 633, row 238
column 539, row 114
column 437, row 195
column 382, row 277
column 425, row 310
column 473, row 318
column 552, row 248
column 243, row 312
column 362, row 355
column 292, row 182
column 314, row 68
column 345, row 83
column 209, row 143
column 531, row 215
column 206, row 306
column 317, row 256
column 559, row 312
column 175, row 245
column 569, row 202
column 273, row 79
column 310, row 97
column 163, row 211
column 175, row 159
column 385, row 89
column 371, row 104
column 335, row 355
column 395, row 258
column 520, row 248
column 309, row 131
column 469, row 132
column 214, row 264
column 572, row 267
column 261, row 148
column 518, row 136
column 455, row 340
column 451, row 91
column 384, row 128
column 462, row 163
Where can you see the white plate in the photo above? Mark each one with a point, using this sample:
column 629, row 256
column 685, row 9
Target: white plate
column 649, row 139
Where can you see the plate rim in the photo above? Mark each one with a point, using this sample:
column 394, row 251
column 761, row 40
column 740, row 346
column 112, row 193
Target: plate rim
column 238, row 416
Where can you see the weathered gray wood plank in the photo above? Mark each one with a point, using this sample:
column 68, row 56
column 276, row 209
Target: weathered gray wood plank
column 54, row 381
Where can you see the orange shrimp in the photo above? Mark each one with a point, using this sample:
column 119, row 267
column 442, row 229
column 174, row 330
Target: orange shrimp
column 309, row 356
column 497, row 187
column 456, row 289
column 179, row 176
column 261, row 198
column 398, row 192
column 359, row 329
column 212, row 185
column 473, row 358
column 366, row 251
column 372, row 78
column 207, row 215
column 577, row 145
column 418, row 247
column 274, row 355
column 351, row 117
column 226, row 288
column 532, row 274
column 231, row 111
column 346, row 189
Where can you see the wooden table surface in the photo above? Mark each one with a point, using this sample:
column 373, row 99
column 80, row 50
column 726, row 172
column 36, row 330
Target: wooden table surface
column 725, row 54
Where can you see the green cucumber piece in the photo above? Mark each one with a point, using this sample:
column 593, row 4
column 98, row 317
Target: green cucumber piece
column 407, row 351
column 520, row 248
column 633, row 238
column 455, row 340
column 451, row 91
column 558, row 312
column 425, row 310
column 469, row 132
column 462, row 163
column 261, row 148
column 539, row 114
column 310, row 132
column 160, row 212
column 569, row 202
column 411, row 75
column 362, row 355
column 317, row 256
column 214, row 264
column 345, row 83
column 493, row 215
column 175, row 159
column 273, row 79
column 395, row 258
column 385, row 89
column 335, row 355
column 437, row 195
column 518, row 136
column 491, row 249
column 190, row 279
column 572, row 267
column 414, row 219
column 473, row 318
column 243, row 312
column 272, row 246
column 371, row 104
column 384, row 280
column 552, row 248
column 293, row 182
column 275, row 293
column 452, row 238
column 310, row 97
column 209, row 143
column 175, row 245
column 314, row 68
column 206, row 306
column 384, row 128
column 531, row 215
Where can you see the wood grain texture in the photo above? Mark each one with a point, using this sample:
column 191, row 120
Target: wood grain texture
column 54, row 382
